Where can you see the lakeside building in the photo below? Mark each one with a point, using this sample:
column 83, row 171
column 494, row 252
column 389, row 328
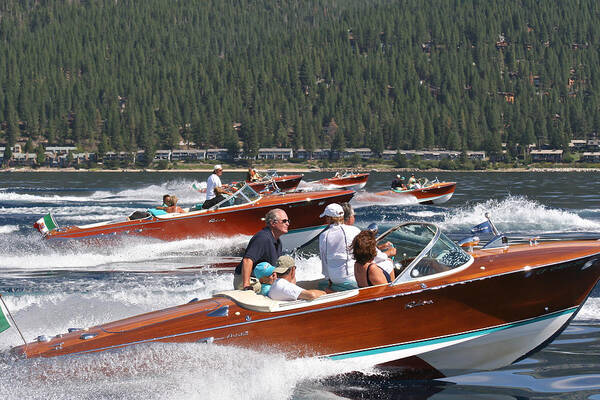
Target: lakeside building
column 546, row 155
column 64, row 156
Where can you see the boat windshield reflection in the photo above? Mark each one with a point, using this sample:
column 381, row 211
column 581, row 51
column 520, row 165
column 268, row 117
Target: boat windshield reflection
column 422, row 250
column 244, row 195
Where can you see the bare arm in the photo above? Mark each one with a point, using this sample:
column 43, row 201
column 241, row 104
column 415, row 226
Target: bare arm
column 221, row 190
column 311, row 294
column 388, row 249
column 376, row 276
column 246, row 271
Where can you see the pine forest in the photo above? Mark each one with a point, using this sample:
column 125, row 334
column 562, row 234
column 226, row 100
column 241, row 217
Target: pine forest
column 122, row 75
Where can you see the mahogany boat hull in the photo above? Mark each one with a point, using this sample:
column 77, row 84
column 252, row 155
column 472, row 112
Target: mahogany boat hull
column 504, row 305
column 438, row 193
column 303, row 209
column 285, row 183
column 354, row 182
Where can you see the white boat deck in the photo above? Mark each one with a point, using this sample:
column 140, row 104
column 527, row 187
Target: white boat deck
column 252, row 301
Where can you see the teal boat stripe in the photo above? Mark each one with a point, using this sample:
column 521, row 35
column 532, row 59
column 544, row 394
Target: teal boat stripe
column 387, row 349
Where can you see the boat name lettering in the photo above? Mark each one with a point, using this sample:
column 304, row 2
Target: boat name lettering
column 414, row 304
column 239, row 334
column 216, row 220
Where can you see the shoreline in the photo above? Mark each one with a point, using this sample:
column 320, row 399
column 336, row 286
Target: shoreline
column 296, row 170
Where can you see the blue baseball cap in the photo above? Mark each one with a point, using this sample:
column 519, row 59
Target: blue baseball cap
column 263, row 269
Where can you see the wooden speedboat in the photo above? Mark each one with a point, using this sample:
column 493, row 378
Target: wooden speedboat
column 430, row 193
column 275, row 182
column 239, row 214
column 272, row 182
column 348, row 180
column 448, row 310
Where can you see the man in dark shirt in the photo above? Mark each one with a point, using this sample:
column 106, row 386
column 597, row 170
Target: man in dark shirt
column 398, row 183
column 264, row 246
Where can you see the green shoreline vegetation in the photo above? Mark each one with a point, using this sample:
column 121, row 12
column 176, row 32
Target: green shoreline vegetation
column 498, row 76
column 290, row 167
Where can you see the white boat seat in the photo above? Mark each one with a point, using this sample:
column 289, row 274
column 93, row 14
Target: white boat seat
column 257, row 302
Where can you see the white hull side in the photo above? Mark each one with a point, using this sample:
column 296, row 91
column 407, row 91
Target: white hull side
column 297, row 237
column 495, row 349
column 357, row 187
column 481, row 350
column 437, row 200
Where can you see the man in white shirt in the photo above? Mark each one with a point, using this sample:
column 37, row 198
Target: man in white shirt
column 214, row 181
column 384, row 251
column 285, row 288
column 334, row 248
column 214, row 188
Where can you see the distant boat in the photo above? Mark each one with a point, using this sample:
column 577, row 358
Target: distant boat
column 272, row 180
column 239, row 214
column 347, row 180
column 434, row 192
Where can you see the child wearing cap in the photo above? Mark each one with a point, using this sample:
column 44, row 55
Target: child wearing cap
column 334, row 248
column 265, row 273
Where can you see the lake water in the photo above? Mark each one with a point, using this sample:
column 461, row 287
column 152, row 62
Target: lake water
column 49, row 289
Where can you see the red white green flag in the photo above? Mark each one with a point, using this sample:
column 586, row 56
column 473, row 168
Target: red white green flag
column 45, row 224
column 4, row 324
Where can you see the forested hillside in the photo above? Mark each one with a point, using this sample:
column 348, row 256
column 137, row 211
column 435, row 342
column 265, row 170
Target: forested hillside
column 127, row 74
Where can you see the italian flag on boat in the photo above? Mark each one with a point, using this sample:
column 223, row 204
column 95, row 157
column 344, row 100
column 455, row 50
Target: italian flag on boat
column 45, row 224
column 4, row 324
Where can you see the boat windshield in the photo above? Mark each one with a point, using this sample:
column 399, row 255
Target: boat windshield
column 244, row 195
column 271, row 173
column 423, row 250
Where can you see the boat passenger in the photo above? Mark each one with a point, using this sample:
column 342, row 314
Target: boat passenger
column 367, row 272
column 173, row 207
column 252, row 175
column 285, row 288
column 334, row 248
column 215, row 191
column 263, row 246
column 166, row 202
column 265, row 273
column 398, row 183
column 213, row 183
column 384, row 250
column 412, row 182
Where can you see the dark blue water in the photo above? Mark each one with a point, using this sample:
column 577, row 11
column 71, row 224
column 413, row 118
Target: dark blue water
column 50, row 289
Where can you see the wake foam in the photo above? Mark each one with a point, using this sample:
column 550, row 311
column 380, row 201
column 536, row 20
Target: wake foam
column 517, row 213
column 32, row 253
column 158, row 371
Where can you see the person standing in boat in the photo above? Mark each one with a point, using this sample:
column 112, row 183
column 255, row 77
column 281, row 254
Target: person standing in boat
column 265, row 245
column 285, row 288
column 334, row 248
column 215, row 192
column 366, row 271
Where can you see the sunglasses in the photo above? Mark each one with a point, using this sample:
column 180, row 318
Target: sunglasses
column 285, row 221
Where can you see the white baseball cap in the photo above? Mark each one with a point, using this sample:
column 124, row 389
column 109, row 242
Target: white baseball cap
column 218, row 166
column 333, row 210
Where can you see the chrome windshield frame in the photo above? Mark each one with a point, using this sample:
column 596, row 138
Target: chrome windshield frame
column 405, row 275
column 238, row 193
column 437, row 232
